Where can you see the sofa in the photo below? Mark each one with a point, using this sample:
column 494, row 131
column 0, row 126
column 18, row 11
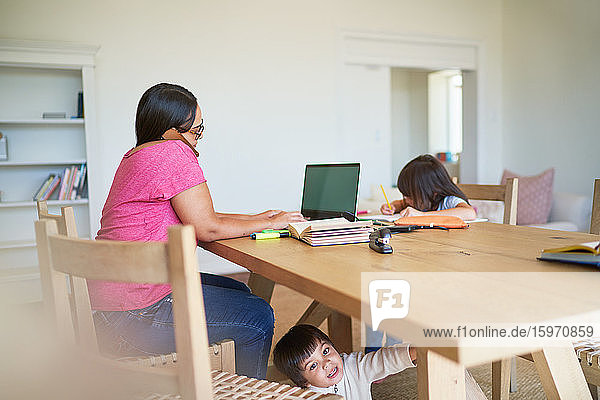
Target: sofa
column 569, row 212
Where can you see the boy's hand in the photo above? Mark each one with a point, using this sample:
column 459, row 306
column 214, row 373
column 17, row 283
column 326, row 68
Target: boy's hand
column 387, row 210
column 413, row 354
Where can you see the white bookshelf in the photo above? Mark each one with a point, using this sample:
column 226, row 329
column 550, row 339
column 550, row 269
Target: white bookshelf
column 40, row 121
column 39, row 77
column 39, row 163
column 57, row 203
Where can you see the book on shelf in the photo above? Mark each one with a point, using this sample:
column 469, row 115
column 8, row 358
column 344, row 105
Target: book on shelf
column 72, row 177
column 42, row 189
column 63, row 184
column 51, row 188
column 82, row 181
column 325, row 232
column 582, row 253
column 73, row 182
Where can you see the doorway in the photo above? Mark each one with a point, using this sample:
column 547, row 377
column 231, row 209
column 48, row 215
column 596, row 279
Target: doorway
column 374, row 133
column 426, row 116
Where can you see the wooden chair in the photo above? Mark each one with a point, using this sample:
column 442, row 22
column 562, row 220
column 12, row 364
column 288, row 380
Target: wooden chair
column 595, row 223
column 222, row 354
column 173, row 262
column 506, row 193
column 588, row 351
column 79, row 301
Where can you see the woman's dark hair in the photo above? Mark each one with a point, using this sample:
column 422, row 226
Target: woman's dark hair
column 162, row 107
column 426, row 181
column 295, row 347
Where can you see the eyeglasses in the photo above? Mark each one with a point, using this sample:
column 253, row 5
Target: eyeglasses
column 198, row 130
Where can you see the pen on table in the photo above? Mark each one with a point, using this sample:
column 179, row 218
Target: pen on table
column 386, row 199
column 270, row 234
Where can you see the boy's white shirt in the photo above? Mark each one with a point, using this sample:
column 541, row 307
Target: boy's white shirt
column 360, row 370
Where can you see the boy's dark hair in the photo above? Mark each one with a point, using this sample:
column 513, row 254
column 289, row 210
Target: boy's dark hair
column 162, row 107
column 295, row 347
column 426, row 181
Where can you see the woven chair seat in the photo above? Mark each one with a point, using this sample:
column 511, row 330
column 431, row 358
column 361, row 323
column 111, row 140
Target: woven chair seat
column 230, row 386
column 158, row 361
column 588, row 353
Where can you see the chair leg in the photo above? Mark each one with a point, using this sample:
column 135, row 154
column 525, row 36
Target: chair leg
column 593, row 391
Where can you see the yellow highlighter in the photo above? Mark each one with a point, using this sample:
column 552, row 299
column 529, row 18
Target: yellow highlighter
column 386, row 199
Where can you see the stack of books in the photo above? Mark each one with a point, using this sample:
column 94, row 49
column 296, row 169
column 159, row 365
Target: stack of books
column 47, row 187
column 331, row 231
column 71, row 184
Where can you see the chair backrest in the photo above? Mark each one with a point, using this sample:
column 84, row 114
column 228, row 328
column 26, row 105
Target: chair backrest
column 507, row 193
column 79, row 302
column 173, row 262
column 595, row 223
column 65, row 221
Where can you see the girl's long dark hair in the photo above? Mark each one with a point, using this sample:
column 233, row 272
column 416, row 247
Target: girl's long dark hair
column 426, row 181
column 162, row 107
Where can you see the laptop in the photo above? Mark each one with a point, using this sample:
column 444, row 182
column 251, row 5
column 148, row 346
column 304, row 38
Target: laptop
column 330, row 191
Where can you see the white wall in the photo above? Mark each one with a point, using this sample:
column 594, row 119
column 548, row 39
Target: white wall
column 551, row 90
column 266, row 74
column 409, row 117
column 366, row 124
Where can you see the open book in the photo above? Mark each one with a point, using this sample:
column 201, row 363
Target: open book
column 583, row 253
column 331, row 231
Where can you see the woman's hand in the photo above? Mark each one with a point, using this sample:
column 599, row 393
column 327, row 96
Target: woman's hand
column 410, row 212
column 283, row 218
column 267, row 214
column 385, row 209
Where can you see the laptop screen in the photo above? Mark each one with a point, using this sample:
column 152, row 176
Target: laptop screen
column 330, row 190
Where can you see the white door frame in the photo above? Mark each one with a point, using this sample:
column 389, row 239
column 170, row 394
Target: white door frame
column 391, row 50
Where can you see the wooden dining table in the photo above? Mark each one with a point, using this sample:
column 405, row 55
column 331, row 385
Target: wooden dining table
column 472, row 272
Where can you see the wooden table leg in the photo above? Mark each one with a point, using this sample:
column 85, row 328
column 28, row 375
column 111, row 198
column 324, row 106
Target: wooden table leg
column 315, row 314
column 438, row 377
column 560, row 373
column 261, row 286
column 501, row 379
column 340, row 331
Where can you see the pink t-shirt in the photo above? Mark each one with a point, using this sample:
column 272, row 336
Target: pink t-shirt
column 138, row 208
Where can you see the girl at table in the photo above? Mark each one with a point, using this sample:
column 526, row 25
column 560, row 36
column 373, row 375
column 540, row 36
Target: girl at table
column 428, row 190
column 160, row 183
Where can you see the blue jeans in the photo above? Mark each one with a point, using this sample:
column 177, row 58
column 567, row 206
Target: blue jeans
column 232, row 312
column 374, row 339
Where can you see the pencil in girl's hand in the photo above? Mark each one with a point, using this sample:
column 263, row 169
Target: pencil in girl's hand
column 386, row 199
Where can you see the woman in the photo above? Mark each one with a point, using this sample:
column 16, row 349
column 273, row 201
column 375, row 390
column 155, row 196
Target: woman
column 159, row 183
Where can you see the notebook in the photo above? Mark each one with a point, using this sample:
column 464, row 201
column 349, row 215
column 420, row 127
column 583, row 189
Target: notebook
column 584, row 253
column 330, row 191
